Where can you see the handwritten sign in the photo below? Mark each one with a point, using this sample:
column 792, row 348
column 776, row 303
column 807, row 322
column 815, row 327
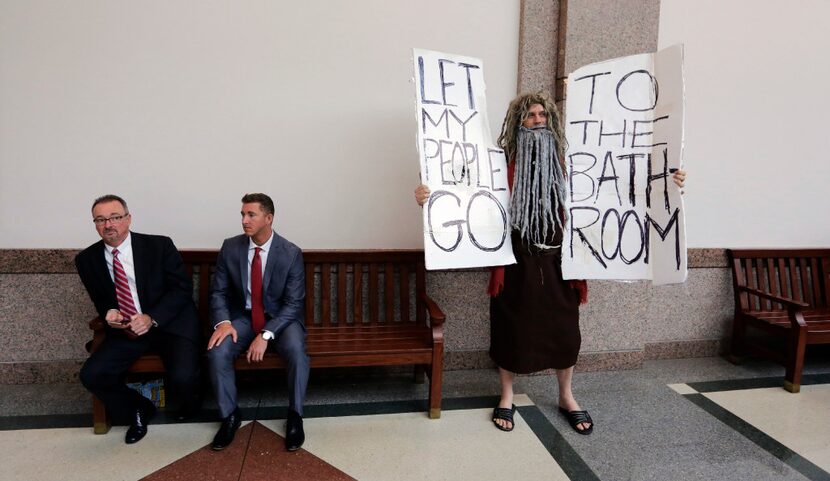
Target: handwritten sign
column 466, row 220
column 625, row 139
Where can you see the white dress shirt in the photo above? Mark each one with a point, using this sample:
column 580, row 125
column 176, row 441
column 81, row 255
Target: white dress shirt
column 125, row 255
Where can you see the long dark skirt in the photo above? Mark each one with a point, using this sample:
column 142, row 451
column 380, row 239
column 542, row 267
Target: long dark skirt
column 534, row 322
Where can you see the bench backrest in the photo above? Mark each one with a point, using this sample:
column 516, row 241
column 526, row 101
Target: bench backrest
column 799, row 274
column 344, row 288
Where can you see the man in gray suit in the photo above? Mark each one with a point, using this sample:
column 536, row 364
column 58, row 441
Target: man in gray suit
column 257, row 301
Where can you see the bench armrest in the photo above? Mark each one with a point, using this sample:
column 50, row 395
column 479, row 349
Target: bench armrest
column 436, row 316
column 790, row 303
column 99, row 333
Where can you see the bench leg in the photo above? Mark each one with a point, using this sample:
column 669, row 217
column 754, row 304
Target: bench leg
column 100, row 421
column 795, row 359
column 435, row 380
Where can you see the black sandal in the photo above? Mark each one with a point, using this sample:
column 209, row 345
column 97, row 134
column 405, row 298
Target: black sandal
column 504, row 414
column 575, row 418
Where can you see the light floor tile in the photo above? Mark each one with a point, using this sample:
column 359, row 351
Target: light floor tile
column 521, row 400
column 77, row 453
column 798, row 421
column 683, row 388
column 462, row 444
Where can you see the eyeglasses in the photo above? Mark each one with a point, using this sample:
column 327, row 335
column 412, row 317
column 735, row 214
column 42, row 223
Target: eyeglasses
column 116, row 219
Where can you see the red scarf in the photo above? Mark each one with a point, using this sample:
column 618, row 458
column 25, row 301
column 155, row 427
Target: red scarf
column 497, row 273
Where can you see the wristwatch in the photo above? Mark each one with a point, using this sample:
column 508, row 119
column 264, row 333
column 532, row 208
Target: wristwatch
column 267, row 335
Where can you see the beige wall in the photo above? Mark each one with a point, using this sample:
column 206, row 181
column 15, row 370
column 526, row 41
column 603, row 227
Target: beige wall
column 756, row 119
column 182, row 106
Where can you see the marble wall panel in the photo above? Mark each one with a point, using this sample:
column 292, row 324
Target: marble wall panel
column 43, row 317
column 701, row 308
column 615, row 315
column 462, row 295
column 603, row 29
column 538, row 45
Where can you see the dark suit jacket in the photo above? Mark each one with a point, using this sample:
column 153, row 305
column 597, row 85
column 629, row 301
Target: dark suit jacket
column 283, row 283
column 164, row 289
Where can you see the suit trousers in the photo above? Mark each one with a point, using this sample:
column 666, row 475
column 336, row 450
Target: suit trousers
column 289, row 344
column 103, row 372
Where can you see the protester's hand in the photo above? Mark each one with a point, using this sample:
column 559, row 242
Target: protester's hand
column 140, row 324
column 421, row 194
column 257, row 349
column 116, row 320
column 679, row 177
column 222, row 331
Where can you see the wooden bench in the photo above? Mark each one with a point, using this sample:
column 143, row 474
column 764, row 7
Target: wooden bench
column 363, row 308
column 785, row 293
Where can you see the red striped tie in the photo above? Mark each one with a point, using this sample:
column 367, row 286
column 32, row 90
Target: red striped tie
column 257, row 309
column 122, row 290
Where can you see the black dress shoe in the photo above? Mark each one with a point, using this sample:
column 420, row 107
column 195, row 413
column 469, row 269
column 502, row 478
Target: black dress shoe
column 141, row 419
column 294, row 435
column 224, row 437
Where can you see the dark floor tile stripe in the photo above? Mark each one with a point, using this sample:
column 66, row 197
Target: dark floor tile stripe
column 376, row 407
column 755, row 383
column 477, row 402
column 565, row 455
column 11, row 423
column 736, row 384
column 767, row 443
column 345, row 409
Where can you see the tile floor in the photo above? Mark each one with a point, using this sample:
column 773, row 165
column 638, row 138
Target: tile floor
column 688, row 419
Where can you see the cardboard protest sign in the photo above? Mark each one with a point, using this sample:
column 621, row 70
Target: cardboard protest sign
column 625, row 138
column 466, row 219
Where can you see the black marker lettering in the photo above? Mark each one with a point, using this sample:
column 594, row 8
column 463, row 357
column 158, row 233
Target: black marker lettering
column 432, row 200
column 574, row 173
column 421, row 75
column 444, row 84
column 612, row 134
column 584, row 128
column 593, row 78
column 487, row 195
column 470, row 95
column 609, row 160
column 654, row 91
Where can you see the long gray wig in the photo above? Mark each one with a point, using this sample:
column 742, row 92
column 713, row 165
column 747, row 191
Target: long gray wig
column 538, row 194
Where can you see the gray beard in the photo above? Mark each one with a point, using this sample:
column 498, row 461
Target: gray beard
column 538, row 186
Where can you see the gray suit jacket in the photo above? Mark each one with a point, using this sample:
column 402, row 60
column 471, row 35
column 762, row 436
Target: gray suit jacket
column 283, row 283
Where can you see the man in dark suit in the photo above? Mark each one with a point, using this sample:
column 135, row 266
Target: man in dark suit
column 256, row 302
column 139, row 287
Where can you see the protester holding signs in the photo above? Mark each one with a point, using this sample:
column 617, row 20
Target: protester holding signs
column 534, row 313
